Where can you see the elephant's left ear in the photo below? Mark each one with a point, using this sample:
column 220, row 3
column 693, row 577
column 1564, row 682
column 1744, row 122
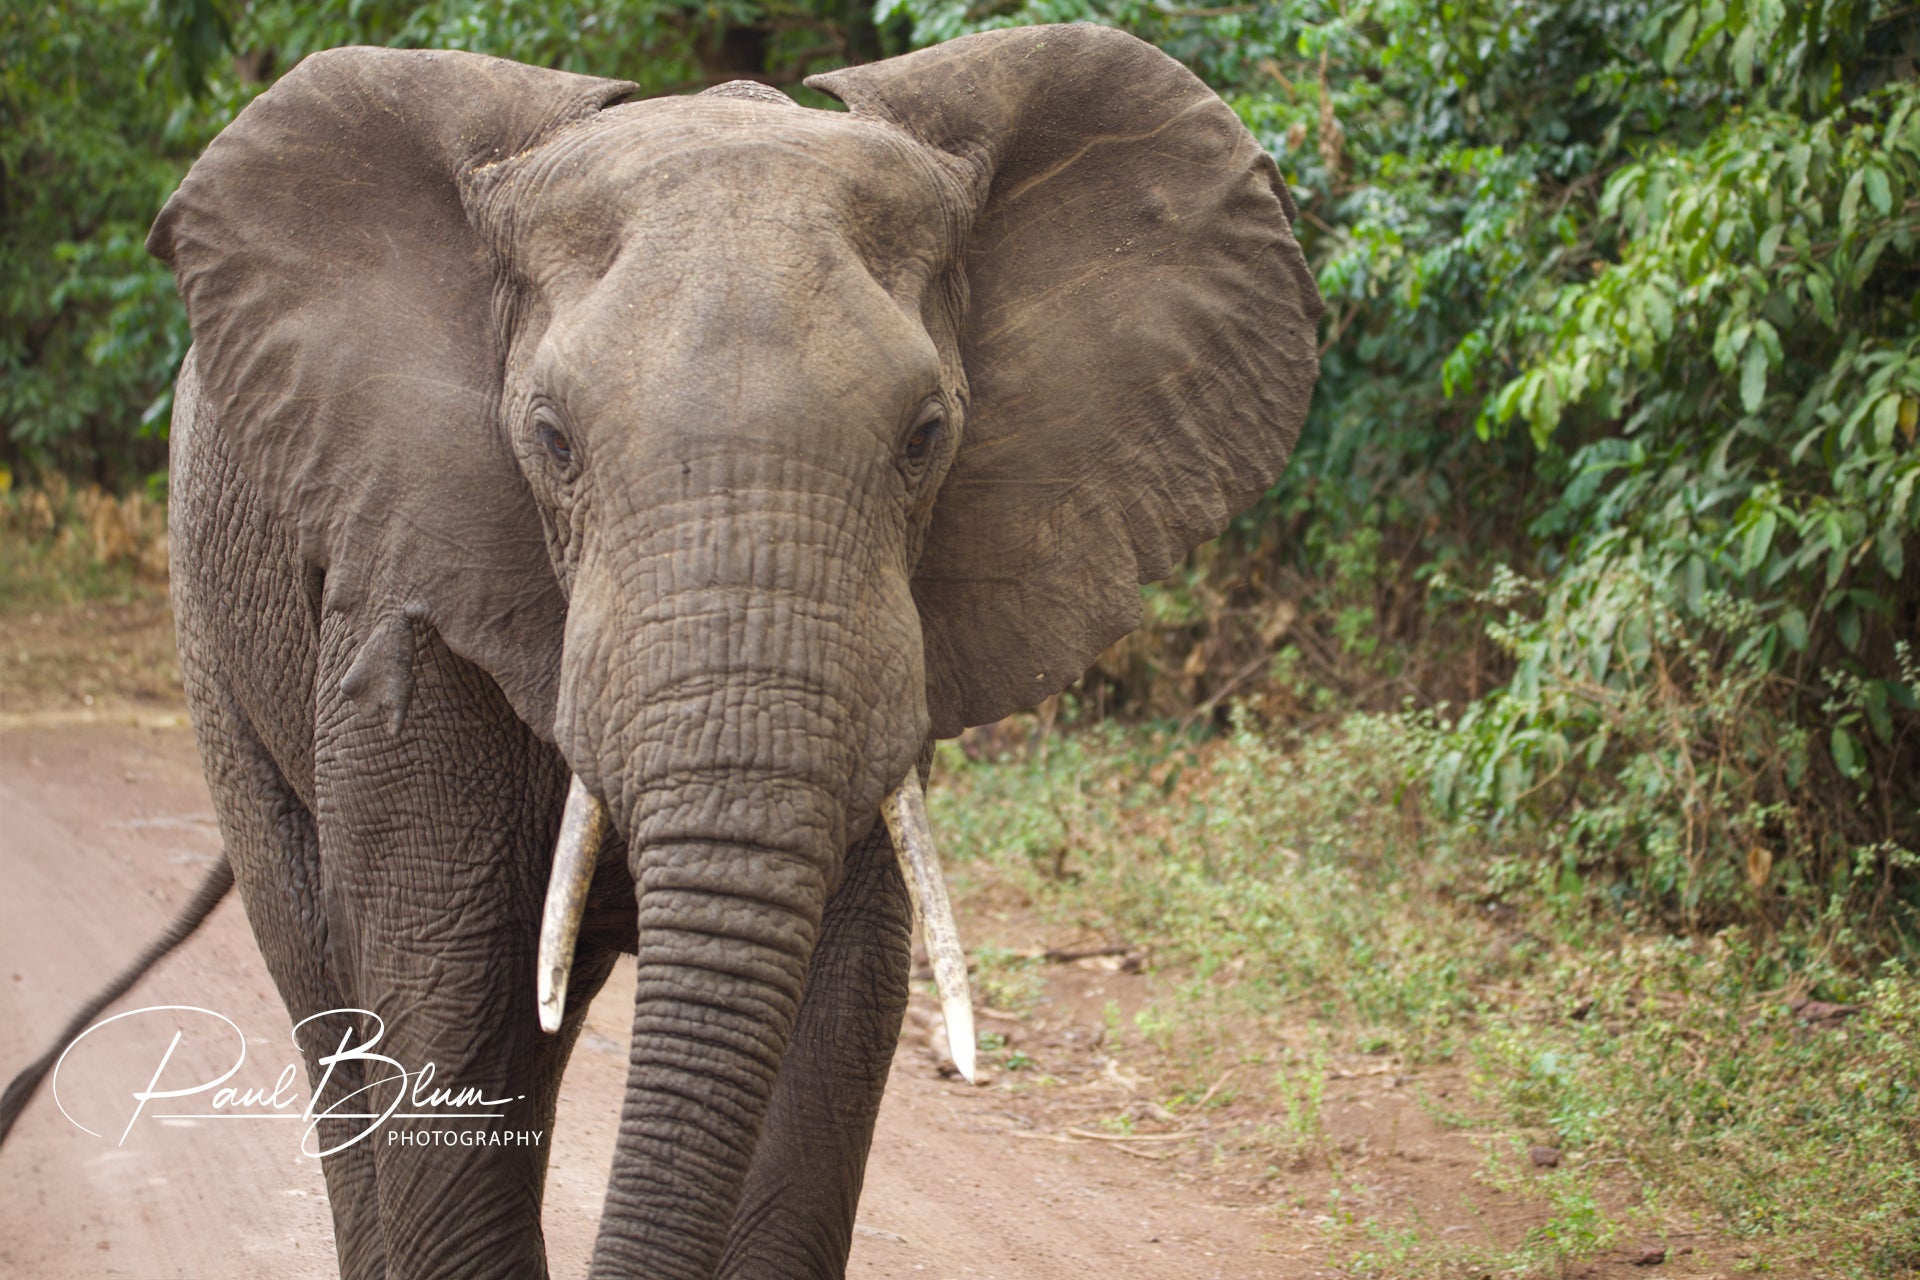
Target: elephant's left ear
column 1139, row 344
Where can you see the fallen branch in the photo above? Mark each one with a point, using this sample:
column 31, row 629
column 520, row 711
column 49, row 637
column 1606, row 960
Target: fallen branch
column 1067, row 955
column 1122, row 1142
column 1207, row 1097
column 1260, row 663
column 1129, row 1137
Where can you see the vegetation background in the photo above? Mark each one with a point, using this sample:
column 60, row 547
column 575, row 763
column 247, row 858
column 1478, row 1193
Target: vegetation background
column 1590, row 599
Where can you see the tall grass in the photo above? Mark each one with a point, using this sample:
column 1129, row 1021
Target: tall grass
column 65, row 543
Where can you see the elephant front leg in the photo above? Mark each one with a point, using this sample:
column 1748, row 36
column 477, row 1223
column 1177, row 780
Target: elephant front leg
column 271, row 844
column 435, row 838
column 797, row 1212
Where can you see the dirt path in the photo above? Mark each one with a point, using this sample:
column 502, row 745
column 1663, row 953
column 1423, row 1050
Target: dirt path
column 105, row 828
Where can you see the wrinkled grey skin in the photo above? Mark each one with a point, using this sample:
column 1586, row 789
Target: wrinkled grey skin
column 724, row 453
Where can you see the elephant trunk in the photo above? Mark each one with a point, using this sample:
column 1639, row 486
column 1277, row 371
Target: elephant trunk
column 733, row 689
column 720, row 975
column 731, row 876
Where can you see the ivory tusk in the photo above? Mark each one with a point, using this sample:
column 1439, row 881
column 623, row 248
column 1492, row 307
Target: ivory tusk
column 905, row 810
column 582, row 826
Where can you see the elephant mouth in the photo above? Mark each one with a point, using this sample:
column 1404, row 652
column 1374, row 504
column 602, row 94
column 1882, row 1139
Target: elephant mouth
column 583, row 825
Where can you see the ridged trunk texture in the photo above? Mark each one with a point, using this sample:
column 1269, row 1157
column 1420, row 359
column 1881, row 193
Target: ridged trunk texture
column 735, row 684
column 720, row 978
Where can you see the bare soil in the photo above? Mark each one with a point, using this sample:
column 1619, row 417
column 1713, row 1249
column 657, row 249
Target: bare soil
column 72, row 658
column 1068, row 1167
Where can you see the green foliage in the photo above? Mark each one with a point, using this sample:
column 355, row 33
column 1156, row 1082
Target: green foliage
column 90, row 144
column 1654, row 736
column 1733, row 519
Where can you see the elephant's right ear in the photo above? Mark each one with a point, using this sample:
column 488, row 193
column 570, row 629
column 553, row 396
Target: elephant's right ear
column 1139, row 342
column 343, row 312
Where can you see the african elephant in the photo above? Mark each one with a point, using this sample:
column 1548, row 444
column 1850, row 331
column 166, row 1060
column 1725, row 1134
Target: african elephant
column 684, row 467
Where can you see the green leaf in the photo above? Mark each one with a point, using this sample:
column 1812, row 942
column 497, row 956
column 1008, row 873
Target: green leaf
column 1508, row 402
column 1770, row 243
column 1850, row 203
column 1660, row 313
column 1546, row 410
column 1846, row 625
column 1680, row 37
column 1885, row 415
column 1821, row 290
column 1902, row 495
column 1759, row 541
column 1846, row 754
column 1753, row 377
column 1742, row 56
column 1793, row 628
column 1887, row 545
column 1879, row 193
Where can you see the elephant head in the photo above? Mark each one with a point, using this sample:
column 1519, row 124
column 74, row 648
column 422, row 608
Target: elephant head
column 746, row 447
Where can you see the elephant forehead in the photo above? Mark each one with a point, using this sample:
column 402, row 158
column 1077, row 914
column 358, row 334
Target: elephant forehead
column 721, row 181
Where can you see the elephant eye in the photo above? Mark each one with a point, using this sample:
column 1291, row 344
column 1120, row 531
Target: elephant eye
column 555, row 442
column 925, row 433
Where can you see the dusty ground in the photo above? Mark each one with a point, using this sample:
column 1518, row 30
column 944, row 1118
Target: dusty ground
column 105, row 828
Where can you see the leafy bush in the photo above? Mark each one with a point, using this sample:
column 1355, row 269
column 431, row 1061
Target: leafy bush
column 91, row 143
column 1677, row 243
column 1737, row 520
column 1651, row 743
